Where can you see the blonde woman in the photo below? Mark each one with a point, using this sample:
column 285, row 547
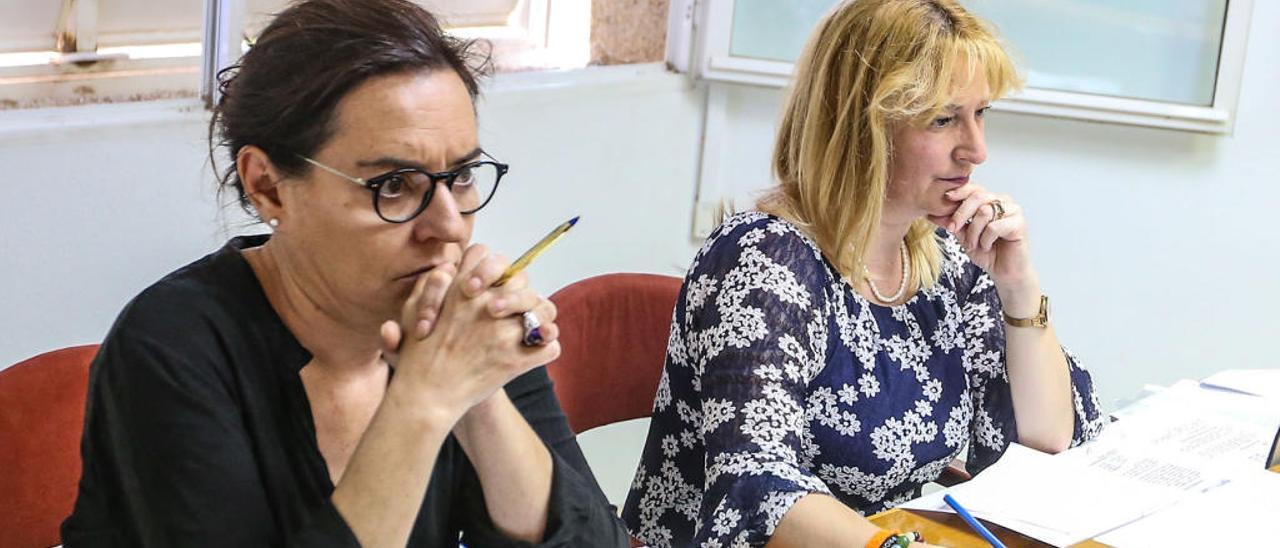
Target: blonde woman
column 835, row 350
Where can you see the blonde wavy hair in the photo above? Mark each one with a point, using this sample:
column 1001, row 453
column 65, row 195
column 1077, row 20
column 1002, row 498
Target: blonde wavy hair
column 869, row 65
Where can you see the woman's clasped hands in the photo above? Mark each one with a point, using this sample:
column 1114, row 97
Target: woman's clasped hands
column 459, row 338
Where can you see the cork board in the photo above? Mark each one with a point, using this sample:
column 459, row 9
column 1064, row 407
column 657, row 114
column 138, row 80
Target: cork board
column 628, row 31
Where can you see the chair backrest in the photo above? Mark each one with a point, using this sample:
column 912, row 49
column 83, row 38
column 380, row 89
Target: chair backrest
column 42, row 402
column 613, row 340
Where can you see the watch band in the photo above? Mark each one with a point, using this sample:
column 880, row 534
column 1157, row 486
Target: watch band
column 1039, row 320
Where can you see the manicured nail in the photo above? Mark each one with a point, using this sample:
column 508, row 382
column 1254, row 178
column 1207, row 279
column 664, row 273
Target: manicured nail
column 424, row 328
column 474, row 284
column 499, row 305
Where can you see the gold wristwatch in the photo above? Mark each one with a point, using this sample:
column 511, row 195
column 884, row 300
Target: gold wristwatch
column 1039, row 320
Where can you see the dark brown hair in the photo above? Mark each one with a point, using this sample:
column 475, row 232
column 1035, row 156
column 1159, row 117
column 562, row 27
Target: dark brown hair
column 282, row 94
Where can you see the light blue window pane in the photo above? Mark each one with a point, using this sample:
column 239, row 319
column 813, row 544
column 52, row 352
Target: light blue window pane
column 1159, row 50
column 774, row 29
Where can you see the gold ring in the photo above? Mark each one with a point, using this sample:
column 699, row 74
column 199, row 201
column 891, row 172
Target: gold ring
column 997, row 209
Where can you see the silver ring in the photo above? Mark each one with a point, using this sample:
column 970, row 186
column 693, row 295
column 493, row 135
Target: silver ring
column 532, row 329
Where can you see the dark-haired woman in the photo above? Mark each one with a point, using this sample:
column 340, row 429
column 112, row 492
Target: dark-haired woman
column 250, row 399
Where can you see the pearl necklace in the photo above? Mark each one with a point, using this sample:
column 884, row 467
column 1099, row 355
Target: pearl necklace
column 902, row 287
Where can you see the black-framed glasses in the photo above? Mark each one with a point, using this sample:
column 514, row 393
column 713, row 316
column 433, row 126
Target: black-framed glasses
column 401, row 194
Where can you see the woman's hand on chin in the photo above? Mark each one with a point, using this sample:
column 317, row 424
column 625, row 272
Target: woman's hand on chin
column 419, row 311
column 992, row 229
column 465, row 335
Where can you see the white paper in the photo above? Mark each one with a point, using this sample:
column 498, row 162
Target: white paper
column 1261, row 382
column 1228, row 428
column 1058, row 501
column 1207, row 520
column 1173, row 446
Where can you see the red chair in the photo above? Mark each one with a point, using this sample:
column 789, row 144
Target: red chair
column 613, row 340
column 42, row 402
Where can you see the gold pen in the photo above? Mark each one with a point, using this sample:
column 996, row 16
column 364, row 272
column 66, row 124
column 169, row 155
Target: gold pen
column 534, row 251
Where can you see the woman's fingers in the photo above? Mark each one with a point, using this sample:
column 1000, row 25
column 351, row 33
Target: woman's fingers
column 480, row 270
column 487, row 271
column 462, row 310
column 435, row 285
column 467, row 278
column 389, row 334
column 959, row 194
column 1011, row 226
column 513, row 297
column 541, row 355
column 990, row 223
column 418, row 312
column 393, row 335
column 545, row 311
column 509, row 300
column 548, row 309
column 977, row 224
column 996, row 230
column 970, row 207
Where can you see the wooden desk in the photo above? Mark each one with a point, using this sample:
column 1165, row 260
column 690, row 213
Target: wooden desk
column 947, row 529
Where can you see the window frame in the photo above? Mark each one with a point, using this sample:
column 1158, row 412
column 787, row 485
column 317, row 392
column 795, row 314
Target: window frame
column 525, row 39
column 707, row 56
column 223, row 26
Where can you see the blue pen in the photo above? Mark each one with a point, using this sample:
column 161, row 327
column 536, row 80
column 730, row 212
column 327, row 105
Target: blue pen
column 973, row 523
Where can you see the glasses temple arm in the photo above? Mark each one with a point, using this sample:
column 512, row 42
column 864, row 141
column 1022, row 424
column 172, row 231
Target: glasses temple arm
column 355, row 180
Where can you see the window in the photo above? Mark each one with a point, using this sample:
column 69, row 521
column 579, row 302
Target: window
column 1162, row 63
column 77, row 51
column 94, row 51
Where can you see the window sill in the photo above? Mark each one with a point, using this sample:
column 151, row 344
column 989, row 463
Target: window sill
column 19, row 122
column 647, row 77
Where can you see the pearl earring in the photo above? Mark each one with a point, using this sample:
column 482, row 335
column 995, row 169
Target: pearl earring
column 274, row 222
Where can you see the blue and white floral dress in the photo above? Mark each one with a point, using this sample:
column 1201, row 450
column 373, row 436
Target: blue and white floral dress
column 781, row 380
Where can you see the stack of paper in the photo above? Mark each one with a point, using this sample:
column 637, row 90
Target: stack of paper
column 1069, row 498
column 1188, row 418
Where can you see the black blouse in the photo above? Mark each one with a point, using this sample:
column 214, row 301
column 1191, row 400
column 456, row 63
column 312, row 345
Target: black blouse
column 198, row 432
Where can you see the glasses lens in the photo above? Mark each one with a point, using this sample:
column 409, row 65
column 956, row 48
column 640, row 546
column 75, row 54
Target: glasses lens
column 474, row 186
column 400, row 195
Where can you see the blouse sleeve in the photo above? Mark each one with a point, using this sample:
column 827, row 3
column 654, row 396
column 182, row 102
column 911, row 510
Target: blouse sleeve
column 993, row 427
column 170, row 443
column 754, row 332
column 578, row 513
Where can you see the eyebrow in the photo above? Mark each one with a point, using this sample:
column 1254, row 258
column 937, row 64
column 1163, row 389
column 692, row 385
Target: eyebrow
column 954, row 107
column 397, row 162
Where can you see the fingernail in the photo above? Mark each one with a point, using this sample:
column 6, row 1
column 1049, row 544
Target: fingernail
column 499, row 305
column 474, row 284
column 424, row 328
